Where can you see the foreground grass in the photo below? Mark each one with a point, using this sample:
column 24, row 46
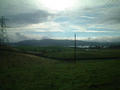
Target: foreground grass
column 27, row 72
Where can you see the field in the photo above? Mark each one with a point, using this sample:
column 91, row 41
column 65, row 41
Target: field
column 20, row 71
column 67, row 53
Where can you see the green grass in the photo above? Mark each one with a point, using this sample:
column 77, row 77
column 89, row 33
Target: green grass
column 67, row 53
column 28, row 72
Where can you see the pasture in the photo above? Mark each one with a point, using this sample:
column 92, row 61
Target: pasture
column 19, row 71
column 67, row 53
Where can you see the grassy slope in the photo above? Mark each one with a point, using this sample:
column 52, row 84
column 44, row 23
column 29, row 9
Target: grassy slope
column 28, row 72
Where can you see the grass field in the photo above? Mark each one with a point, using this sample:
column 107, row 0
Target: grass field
column 67, row 53
column 20, row 71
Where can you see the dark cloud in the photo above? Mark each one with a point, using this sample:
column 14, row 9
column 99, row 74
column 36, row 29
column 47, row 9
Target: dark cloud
column 28, row 18
column 112, row 16
column 12, row 7
column 107, row 14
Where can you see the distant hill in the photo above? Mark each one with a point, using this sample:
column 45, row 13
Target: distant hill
column 53, row 42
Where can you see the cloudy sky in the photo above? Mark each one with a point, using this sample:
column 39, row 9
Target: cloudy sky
column 59, row 19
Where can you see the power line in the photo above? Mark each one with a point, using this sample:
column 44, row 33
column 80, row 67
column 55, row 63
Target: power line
column 3, row 33
column 2, row 20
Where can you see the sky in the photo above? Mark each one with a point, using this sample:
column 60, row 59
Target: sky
column 92, row 20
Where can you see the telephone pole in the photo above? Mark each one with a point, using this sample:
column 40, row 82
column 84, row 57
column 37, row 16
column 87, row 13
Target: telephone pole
column 75, row 55
column 3, row 34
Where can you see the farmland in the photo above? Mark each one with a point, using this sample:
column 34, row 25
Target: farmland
column 67, row 53
column 21, row 71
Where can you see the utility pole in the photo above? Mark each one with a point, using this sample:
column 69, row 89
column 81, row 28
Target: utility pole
column 3, row 35
column 75, row 56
